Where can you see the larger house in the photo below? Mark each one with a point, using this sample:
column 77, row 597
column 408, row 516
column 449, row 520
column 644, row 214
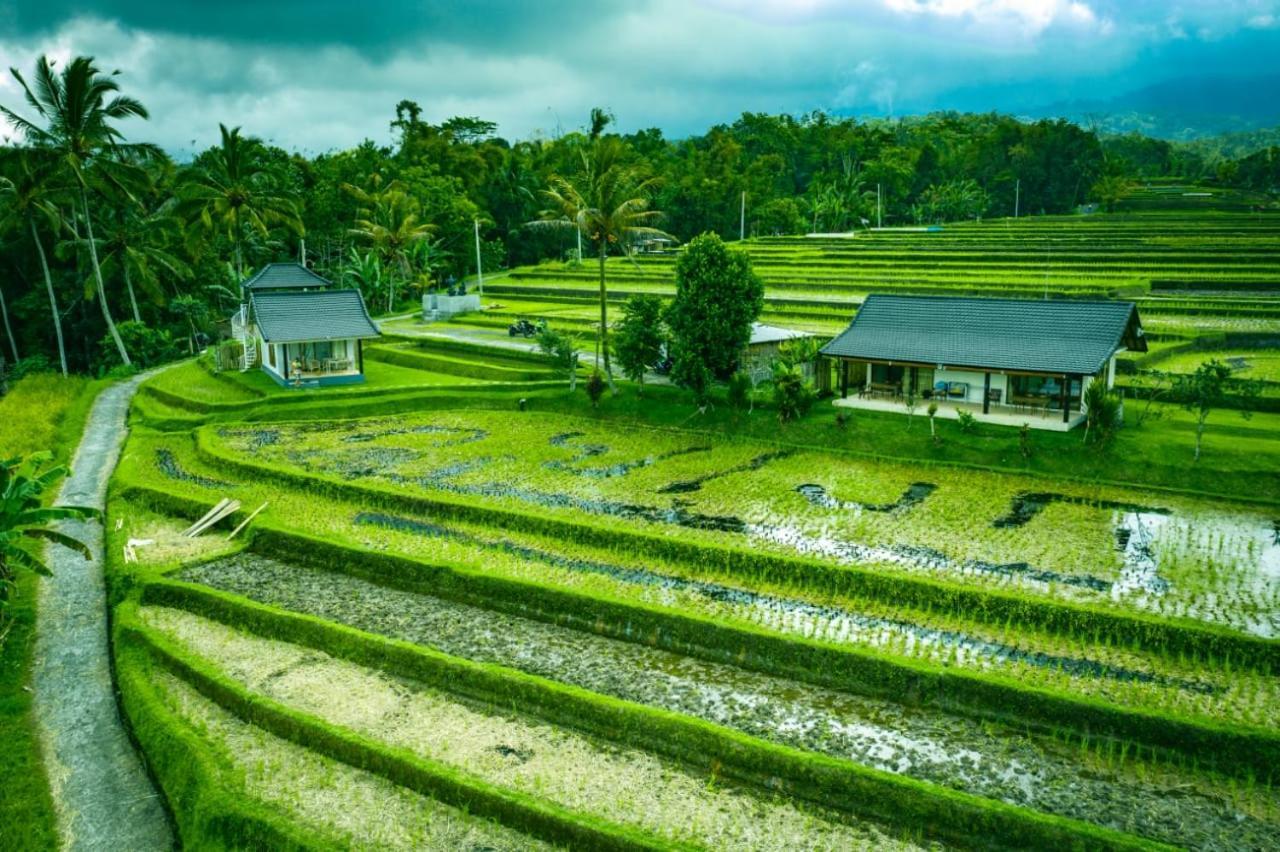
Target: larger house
column 1002, row 360
column 300, row 329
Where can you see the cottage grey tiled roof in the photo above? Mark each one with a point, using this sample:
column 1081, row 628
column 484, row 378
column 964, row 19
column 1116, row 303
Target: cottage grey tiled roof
column 285, row 276
column 292, row 315
column 1052, row 336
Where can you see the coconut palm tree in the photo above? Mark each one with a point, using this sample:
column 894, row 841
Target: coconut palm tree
column 234, row 189
column 390, row 224
column 139, row 247
column 78, row 107
column 609, row 205
column 23, row 517
column 26, row 203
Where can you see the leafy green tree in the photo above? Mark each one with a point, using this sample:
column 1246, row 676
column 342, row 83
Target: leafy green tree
column 1210, row 387
column 25, row 521
column 78, row 116
column 718, row 297
column 231, row 189
column 29, row 201
column 639, row 340
column 1110, row 190
column 562, row 349
column 609, row 205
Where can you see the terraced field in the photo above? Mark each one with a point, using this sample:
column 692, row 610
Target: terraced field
column 1191, row 271
column 502, row 629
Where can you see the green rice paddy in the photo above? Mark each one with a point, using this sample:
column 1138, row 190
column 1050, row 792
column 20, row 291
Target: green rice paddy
column 469, row 622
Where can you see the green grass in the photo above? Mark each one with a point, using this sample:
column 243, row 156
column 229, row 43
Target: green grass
column 1263, row 364
column 42, row 412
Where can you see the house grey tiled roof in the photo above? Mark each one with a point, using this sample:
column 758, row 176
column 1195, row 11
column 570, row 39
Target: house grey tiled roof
column 1052, row 336
column 288, row 316
column 285, row 276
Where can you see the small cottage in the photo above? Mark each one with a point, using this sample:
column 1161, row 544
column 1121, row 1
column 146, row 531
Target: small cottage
column 299, row 328
column 1007, row 361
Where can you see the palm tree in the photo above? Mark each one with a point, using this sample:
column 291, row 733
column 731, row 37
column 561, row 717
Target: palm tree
column 8, row 329
column 23, row 517
column 27, row 202
column 233, row 189
column 139, row 246
column 609, row 205
column 390, row 223
column 75, row 107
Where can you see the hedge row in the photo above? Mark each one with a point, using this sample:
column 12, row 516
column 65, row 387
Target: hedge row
column 990, row 606
column 209, row 805
column 449, row 345
column 485, row 371
column 1233, row 750
column 322, row 403
column 923, row 808
column 520, row 811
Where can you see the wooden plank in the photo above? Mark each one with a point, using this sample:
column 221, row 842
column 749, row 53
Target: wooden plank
column 230, row 508
column 246, row 521
column 217, row 507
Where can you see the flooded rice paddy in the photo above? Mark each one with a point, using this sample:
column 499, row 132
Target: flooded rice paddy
column 1174, row 556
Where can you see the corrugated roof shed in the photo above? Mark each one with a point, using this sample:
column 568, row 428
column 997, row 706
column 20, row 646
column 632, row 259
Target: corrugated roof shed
column 290, row 316
column 1057, row 336
column 285, row 276
column 761, row 333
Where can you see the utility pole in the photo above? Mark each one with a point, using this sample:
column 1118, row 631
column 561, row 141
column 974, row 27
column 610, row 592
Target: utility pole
column 742, row 218
column 579, row 231
column 302, row 250
column 1017, row 196
column 479, row 271
column 879, row 224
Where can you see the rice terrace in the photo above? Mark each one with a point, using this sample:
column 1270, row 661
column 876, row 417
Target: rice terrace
column 808, row 482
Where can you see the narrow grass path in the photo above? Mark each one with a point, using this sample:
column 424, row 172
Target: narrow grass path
column 103, row 797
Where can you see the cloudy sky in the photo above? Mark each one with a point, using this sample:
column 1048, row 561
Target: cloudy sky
column 314, row 74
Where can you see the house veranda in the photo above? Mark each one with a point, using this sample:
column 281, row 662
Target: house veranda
column 1005, row 361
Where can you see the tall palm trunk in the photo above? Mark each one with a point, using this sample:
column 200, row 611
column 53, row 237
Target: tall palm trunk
column 602, row 342
column 235, row 215
column 128, row 285
column 53, row 299
column 8, row 330
column 97, row 275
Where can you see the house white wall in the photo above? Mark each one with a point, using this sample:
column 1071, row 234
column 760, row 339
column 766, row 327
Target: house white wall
column 975, row 380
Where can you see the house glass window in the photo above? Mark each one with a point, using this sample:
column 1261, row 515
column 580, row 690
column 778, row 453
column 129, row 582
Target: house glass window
column 887, row 374
column 1048, row 388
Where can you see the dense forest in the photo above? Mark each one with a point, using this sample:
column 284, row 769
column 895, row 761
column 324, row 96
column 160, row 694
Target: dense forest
column 111, row 253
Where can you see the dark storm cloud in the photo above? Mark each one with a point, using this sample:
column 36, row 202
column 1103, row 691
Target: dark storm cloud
column 318, row 75
column 366, row 27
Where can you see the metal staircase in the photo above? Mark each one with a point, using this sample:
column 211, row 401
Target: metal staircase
column 241, row 330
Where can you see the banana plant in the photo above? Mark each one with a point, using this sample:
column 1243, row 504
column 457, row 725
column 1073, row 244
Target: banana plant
column 24, row 517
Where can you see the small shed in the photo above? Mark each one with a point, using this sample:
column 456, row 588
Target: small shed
column 763, row 348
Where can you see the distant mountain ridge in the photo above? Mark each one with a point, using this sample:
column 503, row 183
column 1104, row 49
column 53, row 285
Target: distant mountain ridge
column 1182, row 109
